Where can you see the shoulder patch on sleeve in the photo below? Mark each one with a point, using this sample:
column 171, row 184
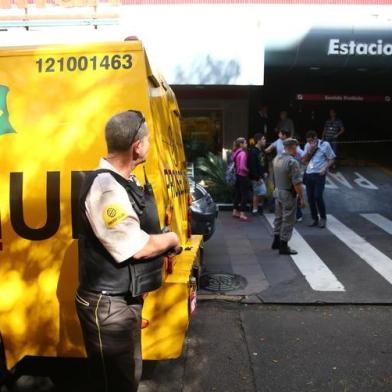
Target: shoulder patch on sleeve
column 113, row 214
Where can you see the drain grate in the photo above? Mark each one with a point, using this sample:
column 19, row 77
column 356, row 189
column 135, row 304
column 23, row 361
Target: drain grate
column 222, row 282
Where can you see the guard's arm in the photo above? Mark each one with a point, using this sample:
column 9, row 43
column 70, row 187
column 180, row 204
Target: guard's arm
column 301, row 194
column 157, row 245
column 296, row 179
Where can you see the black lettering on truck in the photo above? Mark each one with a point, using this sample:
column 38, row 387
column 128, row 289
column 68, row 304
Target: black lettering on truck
column 52, row 208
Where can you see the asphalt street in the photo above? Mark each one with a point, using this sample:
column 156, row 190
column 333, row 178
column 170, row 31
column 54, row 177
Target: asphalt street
column 233, row 347
column 348, row 262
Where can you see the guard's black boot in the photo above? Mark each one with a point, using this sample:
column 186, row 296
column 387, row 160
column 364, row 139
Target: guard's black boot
column 284, row 249
column 276, row 242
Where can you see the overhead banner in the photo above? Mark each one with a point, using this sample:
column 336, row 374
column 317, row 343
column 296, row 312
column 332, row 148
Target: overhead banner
column 344, row 98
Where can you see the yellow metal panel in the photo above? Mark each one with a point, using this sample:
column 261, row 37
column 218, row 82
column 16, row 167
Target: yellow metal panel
column 53, row 117
column 167, row 311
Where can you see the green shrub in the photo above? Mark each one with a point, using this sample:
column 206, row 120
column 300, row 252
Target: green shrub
column 212, row 170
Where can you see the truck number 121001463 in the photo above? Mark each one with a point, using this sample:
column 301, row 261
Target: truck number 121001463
column 84, row 63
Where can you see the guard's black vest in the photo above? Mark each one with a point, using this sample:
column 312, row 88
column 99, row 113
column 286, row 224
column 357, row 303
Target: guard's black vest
column 98, row 271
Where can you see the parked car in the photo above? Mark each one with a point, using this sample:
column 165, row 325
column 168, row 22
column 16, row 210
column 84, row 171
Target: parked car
column 204, row 211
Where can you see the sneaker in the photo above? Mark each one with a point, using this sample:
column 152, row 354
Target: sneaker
column 300, row 219
column 315, row 223
column 254, row 212
column 322, row 223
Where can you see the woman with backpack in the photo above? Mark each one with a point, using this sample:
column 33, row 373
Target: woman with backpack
column 241, row 186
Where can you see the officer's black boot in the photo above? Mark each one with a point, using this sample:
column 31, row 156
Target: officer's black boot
column 276, row 242
column 284, row 249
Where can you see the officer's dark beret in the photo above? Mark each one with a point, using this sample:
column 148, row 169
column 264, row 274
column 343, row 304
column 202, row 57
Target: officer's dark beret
column 290, row 142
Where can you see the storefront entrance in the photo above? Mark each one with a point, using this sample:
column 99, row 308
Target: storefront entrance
column 202, row 131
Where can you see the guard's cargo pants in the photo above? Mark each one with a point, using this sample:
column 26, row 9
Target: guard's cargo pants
column 111, row 329
column 285, row 214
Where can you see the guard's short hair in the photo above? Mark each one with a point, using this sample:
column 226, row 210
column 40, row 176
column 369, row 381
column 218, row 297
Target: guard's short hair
column 257, row 137
column 124, row 129
column 311, row 134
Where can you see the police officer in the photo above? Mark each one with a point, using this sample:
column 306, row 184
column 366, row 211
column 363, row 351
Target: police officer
column 288, row 186
column 111, row 240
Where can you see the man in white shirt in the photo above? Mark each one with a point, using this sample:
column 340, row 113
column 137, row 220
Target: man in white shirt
column 111, row 239
column 319, row 157
column 278, row 146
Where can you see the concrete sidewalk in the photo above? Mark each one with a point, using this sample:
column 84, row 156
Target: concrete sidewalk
column 235, row 248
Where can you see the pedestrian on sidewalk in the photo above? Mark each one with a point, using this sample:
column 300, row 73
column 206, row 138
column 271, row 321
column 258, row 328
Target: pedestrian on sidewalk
column 288, row 187
column 242, row 185
column 319, row 157
column 258, row 172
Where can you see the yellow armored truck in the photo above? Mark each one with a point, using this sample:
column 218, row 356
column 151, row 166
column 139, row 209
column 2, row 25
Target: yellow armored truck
column 54, row 103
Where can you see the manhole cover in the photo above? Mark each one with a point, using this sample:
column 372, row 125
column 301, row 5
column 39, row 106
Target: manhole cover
column 222, row 282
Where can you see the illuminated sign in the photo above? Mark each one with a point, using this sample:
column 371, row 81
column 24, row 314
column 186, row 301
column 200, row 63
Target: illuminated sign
column 343, row 98
column 353, row 48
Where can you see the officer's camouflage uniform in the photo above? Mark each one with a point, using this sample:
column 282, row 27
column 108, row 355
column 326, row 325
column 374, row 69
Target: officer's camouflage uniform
column 287, row 173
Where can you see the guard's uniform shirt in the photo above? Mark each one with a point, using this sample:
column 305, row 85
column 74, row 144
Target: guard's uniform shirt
column 112, row 217
column 287, row 173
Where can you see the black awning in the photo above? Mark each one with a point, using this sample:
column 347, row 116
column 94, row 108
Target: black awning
column 335, row 49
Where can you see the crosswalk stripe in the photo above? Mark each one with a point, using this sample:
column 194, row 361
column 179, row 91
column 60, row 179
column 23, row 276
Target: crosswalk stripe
column 366, row 251
column 318, row 275
column 379, row 221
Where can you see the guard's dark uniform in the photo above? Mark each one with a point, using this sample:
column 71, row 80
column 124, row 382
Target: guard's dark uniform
column 287, row 173
column 109, row 312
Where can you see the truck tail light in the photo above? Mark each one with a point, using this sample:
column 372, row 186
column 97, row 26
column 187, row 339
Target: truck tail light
column 169, row 215
column 192, row 295
column 169, row 262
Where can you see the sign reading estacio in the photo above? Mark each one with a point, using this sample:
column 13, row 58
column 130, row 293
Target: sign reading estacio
column 353, row 48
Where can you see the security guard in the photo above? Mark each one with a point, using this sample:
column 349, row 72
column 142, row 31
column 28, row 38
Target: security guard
column 288, row 186
column 113, row 240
